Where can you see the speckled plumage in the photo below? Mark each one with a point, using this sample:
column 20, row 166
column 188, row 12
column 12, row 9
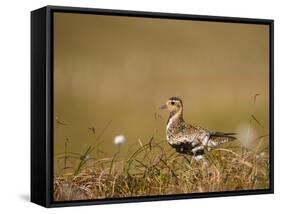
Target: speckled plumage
column 189, row 139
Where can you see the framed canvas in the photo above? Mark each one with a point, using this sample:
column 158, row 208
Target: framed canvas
column 131, row 106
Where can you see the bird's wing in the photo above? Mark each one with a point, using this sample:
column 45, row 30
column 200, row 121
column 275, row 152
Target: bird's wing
column 192, row 136
column 182, row 138
column 200, row 129
column 217, row 138
column 187, row 135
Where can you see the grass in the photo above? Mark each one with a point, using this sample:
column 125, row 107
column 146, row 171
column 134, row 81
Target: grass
column 152, row 168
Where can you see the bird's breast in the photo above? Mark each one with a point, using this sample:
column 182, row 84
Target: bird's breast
column 171, row 132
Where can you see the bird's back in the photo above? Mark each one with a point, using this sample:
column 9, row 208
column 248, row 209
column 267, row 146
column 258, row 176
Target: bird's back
column 190, row 139
column 179, row 131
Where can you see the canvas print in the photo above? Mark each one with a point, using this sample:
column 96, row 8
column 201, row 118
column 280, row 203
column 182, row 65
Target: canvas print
column 153, row 107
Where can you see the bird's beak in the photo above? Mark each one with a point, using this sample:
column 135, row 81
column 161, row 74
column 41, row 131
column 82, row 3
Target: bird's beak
column 163, row 106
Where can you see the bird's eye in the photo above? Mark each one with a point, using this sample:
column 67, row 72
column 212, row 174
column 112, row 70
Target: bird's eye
column 172, row 103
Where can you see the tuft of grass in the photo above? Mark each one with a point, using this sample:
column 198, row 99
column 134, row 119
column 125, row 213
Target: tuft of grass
column 154, row 170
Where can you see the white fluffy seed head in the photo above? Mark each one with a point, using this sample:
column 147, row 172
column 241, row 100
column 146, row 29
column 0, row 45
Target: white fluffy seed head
column 247, row 135
column 119, row 140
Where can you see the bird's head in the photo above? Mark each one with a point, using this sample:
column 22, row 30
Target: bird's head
column 173, row 105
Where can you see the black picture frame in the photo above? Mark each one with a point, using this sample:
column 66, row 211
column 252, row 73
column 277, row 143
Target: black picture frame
column 42, row 103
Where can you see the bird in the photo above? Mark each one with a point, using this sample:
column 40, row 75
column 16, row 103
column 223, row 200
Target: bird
column 189, row 139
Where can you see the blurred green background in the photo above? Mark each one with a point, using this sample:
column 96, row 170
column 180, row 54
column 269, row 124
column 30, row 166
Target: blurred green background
column 121, row 69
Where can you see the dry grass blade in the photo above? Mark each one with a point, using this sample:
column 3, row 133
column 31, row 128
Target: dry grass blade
column 258, row 122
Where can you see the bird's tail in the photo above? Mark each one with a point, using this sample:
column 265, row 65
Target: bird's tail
column 218, row 138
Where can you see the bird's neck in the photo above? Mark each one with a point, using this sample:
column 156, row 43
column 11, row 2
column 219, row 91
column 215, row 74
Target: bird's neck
column 175, row 117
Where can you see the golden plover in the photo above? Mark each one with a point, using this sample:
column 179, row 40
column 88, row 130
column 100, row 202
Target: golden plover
column 188, row 139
